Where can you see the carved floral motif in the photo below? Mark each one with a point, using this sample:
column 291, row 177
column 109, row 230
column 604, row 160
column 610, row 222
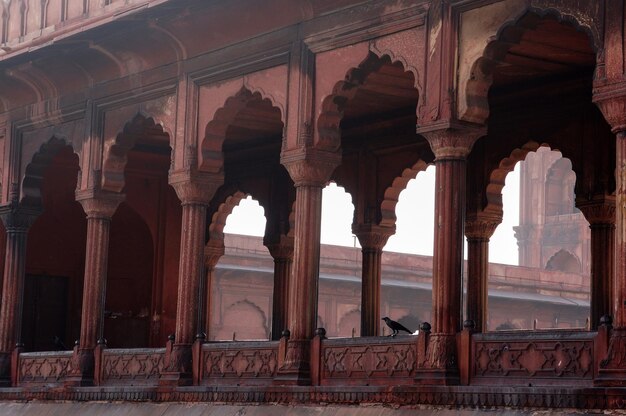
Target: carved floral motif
column 534, row 359
column 44, row 368
column 132, row 365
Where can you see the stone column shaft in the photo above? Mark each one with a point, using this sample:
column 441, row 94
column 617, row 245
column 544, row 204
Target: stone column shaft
column 478, row 232
column 448, row 247
column 17, row 221
column 302, row 317
column 282, row 253
column 600, row 213
column 13, row 289
column 310, row 170
column 99, row 207
column 451, row 144
column 619, row 283
column 213, row 251
column 94, row 291
column 372, row 239
column 190, row 273
column 195, row 191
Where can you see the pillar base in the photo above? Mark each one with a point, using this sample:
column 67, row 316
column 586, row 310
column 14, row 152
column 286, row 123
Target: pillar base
column 82, row 372
column 440, row 365
column 612, row 371
column 295, row 369
column 178, row 368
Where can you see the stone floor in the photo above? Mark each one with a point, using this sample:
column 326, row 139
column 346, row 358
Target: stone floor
column 201, row 409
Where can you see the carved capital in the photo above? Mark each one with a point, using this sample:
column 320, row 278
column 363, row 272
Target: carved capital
column 99, row 204
column 481, row 226
column 373, row 236
column 450, row 140
column 310, row 167
column 18, row 218
column 282, row 248
column 195, row 187
column 611, row 99
column 213, row 251
column 600, row 210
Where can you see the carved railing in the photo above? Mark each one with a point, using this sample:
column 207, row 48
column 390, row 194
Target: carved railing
column 236, row 363
column 131, row 366
column 368, row 360
column 533, row 358
column 43, row 368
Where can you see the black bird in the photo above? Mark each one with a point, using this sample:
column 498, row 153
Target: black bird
column 395, row 327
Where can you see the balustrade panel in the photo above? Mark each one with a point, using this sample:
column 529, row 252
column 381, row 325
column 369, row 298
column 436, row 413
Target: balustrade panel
column 533, row 358
column 238, row 363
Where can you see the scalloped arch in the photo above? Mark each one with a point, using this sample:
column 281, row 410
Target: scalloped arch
column 218, row 220
column 216, row 129
column 116, row 153
column 33, row 176
column 392, row 193
column 481, row 73
column 497, row 177
column 332, row 107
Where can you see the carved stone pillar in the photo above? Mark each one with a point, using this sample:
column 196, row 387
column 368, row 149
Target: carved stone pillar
column 99, row 207
column 195, row 192
column 17, row 220
column 372, row 239
column 600, row 212
column 282, row 252
column 451, row 145
column 213, row 251
column 612, row 102
column 310, row 171
column 478, row 230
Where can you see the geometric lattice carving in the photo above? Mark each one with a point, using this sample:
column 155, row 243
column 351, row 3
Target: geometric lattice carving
column 249, row 361
column 534, row 361
column 367, row 360
column 132, row 366
column 44, row 367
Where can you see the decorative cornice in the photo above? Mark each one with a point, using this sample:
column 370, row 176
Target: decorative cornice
column 310, row 167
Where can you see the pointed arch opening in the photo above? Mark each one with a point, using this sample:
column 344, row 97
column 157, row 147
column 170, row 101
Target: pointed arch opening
column 240, row 286
column 136, row 163
column 545, row 240
column 56, row 250
column 339, row 290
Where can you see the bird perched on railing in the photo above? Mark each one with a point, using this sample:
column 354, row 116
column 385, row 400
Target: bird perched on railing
column 395, row 327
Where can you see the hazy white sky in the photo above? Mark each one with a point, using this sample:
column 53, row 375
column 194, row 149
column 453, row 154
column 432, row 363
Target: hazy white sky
column 414, row 227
